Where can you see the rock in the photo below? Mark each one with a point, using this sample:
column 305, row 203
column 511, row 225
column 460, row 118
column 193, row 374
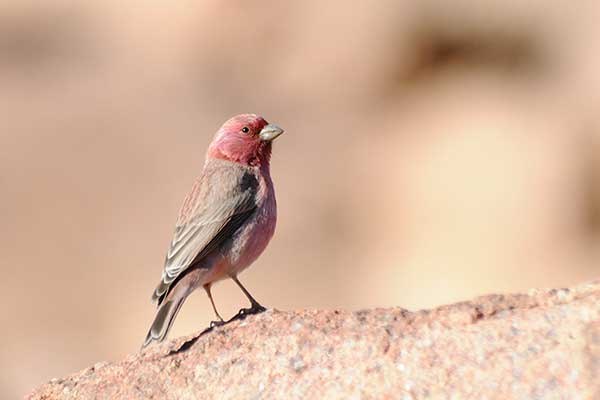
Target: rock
column 544, row 344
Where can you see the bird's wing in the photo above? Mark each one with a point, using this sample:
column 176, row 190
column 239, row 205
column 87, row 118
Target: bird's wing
column 220, row 202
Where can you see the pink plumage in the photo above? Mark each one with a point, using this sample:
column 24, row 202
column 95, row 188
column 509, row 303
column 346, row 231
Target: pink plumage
column 225, row 222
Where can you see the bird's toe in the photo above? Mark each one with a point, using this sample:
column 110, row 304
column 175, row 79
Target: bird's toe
column 214, row 324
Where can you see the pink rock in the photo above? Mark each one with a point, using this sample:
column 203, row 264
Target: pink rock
column 542, row 345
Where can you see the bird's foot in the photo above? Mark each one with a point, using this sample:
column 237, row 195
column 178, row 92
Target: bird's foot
column 255, row 309
column 215, row 324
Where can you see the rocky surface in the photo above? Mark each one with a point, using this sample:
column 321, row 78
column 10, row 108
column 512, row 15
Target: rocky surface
column 540, row 345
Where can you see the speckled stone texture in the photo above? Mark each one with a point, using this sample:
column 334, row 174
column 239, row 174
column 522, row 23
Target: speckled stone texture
column 540, row 345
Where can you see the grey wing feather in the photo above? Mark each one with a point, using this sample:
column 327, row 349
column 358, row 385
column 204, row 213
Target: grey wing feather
column 222, row 213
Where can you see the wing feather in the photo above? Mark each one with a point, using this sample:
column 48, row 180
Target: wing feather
column 219, row 204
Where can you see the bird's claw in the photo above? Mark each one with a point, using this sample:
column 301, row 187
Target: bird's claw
column 258, row 309
column 255, row 309
column 215, row 324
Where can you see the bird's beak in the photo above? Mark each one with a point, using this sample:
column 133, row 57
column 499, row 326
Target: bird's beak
column 270, row 132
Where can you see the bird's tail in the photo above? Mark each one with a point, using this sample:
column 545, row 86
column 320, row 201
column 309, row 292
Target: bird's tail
column 165, row 315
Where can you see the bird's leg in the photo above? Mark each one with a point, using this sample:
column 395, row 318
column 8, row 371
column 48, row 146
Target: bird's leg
column 220, row 321
column 255, row 306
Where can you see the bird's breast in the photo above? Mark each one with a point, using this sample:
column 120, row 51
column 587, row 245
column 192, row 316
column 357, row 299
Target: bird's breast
column 252, row 239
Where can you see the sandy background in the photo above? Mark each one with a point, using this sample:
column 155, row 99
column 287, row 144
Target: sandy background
column 433, row 151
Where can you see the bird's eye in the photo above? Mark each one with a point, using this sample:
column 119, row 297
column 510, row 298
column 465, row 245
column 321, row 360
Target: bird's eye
column 245, row 129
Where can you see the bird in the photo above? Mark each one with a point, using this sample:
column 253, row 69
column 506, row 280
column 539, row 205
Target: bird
column 225, row 222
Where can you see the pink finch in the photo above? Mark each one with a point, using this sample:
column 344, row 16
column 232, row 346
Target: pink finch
column 226, row 220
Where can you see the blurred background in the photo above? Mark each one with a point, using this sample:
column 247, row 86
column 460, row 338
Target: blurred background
column 434, row 151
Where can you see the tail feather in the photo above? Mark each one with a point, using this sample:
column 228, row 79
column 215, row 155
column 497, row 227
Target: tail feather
column 160, row 291
column 165, row 316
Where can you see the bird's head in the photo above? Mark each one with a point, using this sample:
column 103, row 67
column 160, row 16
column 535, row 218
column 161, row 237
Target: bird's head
column 245, row 139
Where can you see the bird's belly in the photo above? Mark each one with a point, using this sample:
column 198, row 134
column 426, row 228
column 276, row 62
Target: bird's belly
column 250, row 241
